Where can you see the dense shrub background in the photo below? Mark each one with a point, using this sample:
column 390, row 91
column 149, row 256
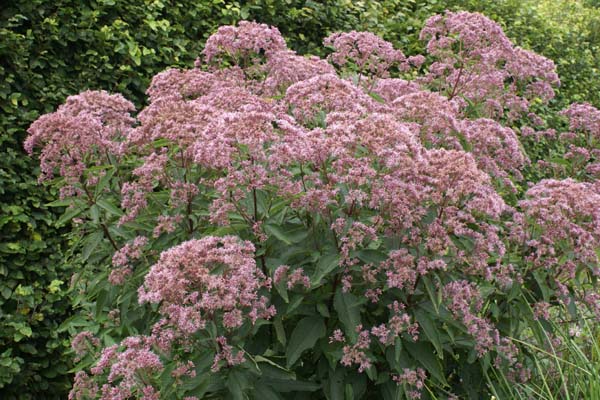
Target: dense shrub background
column 51, row 49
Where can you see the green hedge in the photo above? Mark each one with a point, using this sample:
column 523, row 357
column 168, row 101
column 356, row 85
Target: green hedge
column 51, row 49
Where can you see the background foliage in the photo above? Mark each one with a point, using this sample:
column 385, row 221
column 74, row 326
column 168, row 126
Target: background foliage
column 49, row 50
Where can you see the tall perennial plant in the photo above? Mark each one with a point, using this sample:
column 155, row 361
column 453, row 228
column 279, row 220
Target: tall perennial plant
column 273, row 225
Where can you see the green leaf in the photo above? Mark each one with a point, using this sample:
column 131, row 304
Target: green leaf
column 397, row 349
column 304, row 337
column 287, row 233
column 560, row 160
column 281, row 288
column 515, row 291
column 323, row 310
column 95, row 214
column 423, row 353
column 279, row 331
column 69, row 214
column 348, row 392
column 372, row 373
column 264, row 392
column 54, row 286
column 101, row 300
column 374, row 257
column 26, row 331
column 237, row 381
column 325, row 265
column 261, row 359
column 297, row 299
column 377, row 97
column 391, row 391
column 198, row 386
column 432, row 292
column 91, row 242
column 111, row 208
column 60, row 203
column 431, row 331
column 271, row 370
column 334, row 386
column 540, row 279
column 289, row 385
column 348, row 308
column 6, row 292
column 104, row 181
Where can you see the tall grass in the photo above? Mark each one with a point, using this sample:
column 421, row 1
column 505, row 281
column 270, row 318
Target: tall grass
column 566, row 364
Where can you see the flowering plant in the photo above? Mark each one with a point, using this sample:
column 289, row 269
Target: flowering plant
column 272, row 223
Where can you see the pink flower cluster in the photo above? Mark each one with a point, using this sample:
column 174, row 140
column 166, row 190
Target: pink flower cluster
column 246, row 40
column 296, row 278
column 464, row 302
column 123, row 257
column 358, row 352
column 128, row 368
column 476, row 60
column 584, row 117
column 447, row 188
column 562, row 218
column 81, row 134
column 415, row 379
column 285, row 68
column 181, row 84
column 391, row 88
column 84, row 387
column 369, row 53
column 83, row 343
column 496, row 148
column 201, row 279
column 325, row 94
column 226, row 355
column 436, row 115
